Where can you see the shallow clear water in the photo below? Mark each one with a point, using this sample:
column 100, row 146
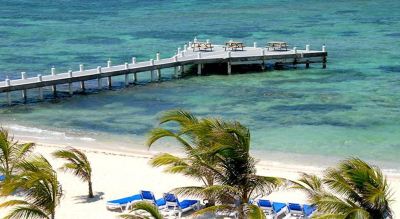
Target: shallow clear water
column 352, row 108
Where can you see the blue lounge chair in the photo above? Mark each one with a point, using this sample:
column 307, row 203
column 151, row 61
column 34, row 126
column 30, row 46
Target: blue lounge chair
column 180, row 206
column 272, row 208
column 123, row 202
column 295, row 210
column 265, row 205
column 149, row 196
column 309, row 210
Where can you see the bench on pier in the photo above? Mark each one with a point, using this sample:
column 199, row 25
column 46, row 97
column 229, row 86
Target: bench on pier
column 234, row 46
column 276, row 45
column 202, row 46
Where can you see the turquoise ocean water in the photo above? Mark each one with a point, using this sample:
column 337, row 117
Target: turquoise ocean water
column 352, row 108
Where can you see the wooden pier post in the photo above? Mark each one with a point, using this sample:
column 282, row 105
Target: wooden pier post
column 109, row 63
column 70, row 91
column 158, row 71
column 307, row 48
column 307, row 63
column 134, row 77
column 109, row 82
column 24, row 96
column 83, row 85
column 126, row 75
column 40, row 88
column 8, row 95
column 324, row 57
column 199, row 66
column 229, row 63
column 99, row 79
column 54, row 87
column 263, row 62
column 152, row 70
column 176, row 67
column 82, row 82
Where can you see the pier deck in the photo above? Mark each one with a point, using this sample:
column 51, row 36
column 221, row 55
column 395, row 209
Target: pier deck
column 250, row 55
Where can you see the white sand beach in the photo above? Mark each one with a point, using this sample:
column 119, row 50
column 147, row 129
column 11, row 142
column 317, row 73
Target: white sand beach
column 117, row 174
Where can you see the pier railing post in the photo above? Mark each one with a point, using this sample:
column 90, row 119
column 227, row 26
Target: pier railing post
column 23, row 76
column 81, row 67
column 158, row 71
column 179, row 50
column 70, row 91
column 199, row 66
column 133, row 60
column 229, row 63
column 152, row 76
column 324, row 57
column 307, row 48
column 54, row 87
column 255, row 44
column 176, row 67
column 40, row 79
column 7, row 81
column 109, row 63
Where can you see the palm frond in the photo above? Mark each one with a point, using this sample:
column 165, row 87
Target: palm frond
column 147, row 207
column 255, row 212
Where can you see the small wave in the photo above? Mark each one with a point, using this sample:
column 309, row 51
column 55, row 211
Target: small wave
column 24, row 131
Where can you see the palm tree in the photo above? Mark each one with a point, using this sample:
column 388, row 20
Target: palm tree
column 11, row 152
column 147, row 207
column 352, row 189
column 193, row 142
column 236, row 172
column 78, row 164
column 219, row 151
column 37, row 180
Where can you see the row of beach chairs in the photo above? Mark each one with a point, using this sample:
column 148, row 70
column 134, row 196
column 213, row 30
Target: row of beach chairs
column 286, row 210
column 168, row 204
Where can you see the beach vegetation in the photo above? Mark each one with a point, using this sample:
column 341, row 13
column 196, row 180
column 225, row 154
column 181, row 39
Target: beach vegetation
column 143, row 210
column 78, row 164
column 352, row 189
column 12, row 153
column 39, row 187
column 224, row 154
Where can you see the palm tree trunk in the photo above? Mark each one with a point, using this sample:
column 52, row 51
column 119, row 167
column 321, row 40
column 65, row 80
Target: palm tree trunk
column 90, row 190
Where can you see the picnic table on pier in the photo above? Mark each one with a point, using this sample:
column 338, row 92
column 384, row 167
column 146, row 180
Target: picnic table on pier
column 202, row 46
column 232, row 45
column 277, row 45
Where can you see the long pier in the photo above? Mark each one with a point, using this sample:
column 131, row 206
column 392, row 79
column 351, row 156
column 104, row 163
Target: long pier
column 185, row 57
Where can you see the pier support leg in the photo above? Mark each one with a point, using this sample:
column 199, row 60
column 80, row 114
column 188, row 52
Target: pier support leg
column 54, row 89
column 83, row 85
column 109, row 82
column 263, row 66
column 229, row 68
column 135, row 78
column 152, row 75
column 199, row 66
column 24, row 96
column 70, row 91
column 126, row 80
column 158, row 71
column 307, row 64
column 40, row 93
column 99, row 83
column 176, row 72
column 8, row 96
column 182, row 70
column 324, row 62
